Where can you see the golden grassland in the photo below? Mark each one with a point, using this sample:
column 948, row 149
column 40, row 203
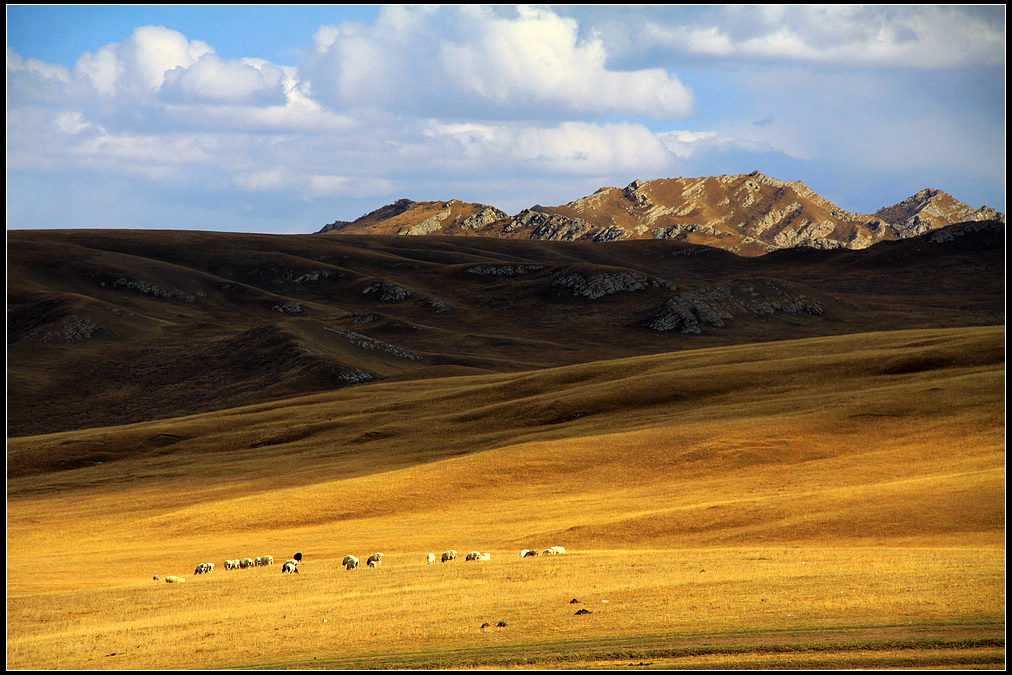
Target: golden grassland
column 833, row 502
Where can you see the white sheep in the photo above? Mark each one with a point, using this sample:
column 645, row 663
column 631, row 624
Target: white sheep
column 204, row 568
column 528, row 553
column 374, row 560
column 554, row 550
column 290, row 566
column 449, row 555
column 350, row 562
column 473, row 555
column 174, row 580
column 485, row 556
column 268, row 560
column 246, row 562
column 431, row 558
column 231, row 564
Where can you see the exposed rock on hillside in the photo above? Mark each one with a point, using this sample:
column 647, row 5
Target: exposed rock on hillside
column 708, row 308
column 502, row 270
column 748, row 214
column 547, row 226
column 600, row 284
column 71, row 329
column 372, row 344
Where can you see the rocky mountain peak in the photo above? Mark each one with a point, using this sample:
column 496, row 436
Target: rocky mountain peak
column 748, row 214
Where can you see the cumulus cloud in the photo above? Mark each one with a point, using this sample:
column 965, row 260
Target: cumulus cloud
column 214, row 80
column 138, row 65
column 448, row 60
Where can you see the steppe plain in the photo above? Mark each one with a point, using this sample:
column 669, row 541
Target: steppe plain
column 829, row 494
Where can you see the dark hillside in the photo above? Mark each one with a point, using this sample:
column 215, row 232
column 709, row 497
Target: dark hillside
column 113, row 327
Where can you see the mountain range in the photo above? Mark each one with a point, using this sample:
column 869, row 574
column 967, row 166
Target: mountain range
column 747, row 214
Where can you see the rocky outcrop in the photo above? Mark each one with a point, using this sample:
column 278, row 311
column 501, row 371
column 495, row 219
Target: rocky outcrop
column 70, row 329
column 485, row 217
column 547, row 226
column 599, row 284
column 427, row 226
column 388, row 291
column 148, row 288
column 372, row 344
column 502, row 270
column 709, row 308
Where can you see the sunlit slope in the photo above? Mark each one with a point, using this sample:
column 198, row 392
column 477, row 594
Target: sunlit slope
column 867, row 438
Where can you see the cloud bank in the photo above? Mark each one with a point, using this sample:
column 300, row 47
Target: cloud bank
column 506, row 105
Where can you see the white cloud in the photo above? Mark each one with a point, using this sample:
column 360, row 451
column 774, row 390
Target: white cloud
column 568, row 148
column 138, row 66
column 214, row 80
column 444, row 60
column 915, row 36
column 268, row 180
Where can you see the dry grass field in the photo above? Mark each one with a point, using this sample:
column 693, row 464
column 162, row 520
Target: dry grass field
column 833, row 502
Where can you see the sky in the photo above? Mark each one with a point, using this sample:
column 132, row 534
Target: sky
column 284, row 118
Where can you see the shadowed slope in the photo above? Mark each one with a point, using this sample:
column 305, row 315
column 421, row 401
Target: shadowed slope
column 114, row 327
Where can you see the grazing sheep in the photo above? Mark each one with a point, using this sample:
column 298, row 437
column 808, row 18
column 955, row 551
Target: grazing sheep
column 157, row 578
column 290, row 566
column 174, row 580
column 372, row 564
column 473, row 555
column 485, row 556
column 449, row 555
column 231, row 564
column 350, row 562
column 374, row 560
column 431, row 558
column 246, row 562
column 528, row 553
column 554, row 550
column 204, row 568
column 268, row 560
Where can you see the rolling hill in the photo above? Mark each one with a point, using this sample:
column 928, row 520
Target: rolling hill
column 114, row 327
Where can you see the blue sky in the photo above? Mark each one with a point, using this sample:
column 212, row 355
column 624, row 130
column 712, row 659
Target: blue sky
column 285, row 118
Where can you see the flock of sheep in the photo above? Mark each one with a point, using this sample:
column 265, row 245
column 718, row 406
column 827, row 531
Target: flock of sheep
column 350, row 562
column 243, row 563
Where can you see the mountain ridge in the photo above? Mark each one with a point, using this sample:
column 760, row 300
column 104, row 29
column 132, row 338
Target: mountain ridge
column 747, row 214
